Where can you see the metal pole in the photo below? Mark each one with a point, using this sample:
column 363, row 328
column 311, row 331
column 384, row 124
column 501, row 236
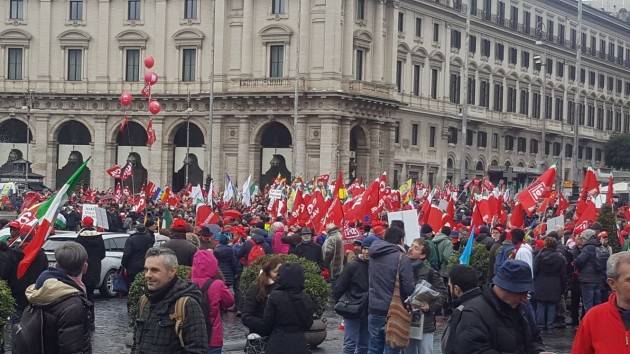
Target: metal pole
column 295, row 91
column 211, row 96
column 578, row 69
column 28, row 135
column 186, row 159
column 462, row 160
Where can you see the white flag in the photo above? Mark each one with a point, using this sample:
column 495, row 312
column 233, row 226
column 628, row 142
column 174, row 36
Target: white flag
column 247, row 197
column 210, row 195
column 229, row 190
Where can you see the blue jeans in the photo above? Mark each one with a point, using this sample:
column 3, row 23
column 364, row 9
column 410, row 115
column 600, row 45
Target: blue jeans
column 356, row 335
column 215, row 350
column 376, row 328
column 590, row 295
column 545, row 314
column 424, row 346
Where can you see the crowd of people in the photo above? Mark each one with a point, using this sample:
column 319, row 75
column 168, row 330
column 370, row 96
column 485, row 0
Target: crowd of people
column 389, row 290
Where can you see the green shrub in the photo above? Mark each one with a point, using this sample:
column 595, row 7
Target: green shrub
column 7, row 306
column 314, row 284
column 479, row 260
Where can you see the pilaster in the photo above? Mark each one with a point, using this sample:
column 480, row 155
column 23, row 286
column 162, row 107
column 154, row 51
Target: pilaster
column 242, row 171
column 348, row 37
column 299, row 148
column 39, row 150
column 328, row 146
column 247, row 43
column 99, row 164
column 344, row 147
column 379, row 42
column 375, row 169
column 102, row 43
column 156, row 170
column 217, row 157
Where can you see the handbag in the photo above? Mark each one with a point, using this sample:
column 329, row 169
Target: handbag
column 350, row 307
column 398, row 326
column 120, row 282
column 255, row 344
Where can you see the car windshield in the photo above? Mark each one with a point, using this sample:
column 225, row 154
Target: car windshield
column 53, row 244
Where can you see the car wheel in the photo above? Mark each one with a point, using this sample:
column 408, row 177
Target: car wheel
column 107, row 288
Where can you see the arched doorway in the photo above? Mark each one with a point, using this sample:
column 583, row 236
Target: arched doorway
column 192, row 140
column 132, row 148
column 359, row 151
column 13, row 134
column 479, row 170
column 276, row 153
column 73, row 146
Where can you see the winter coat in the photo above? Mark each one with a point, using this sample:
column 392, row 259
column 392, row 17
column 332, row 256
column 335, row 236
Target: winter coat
column 39, row 265
column 289, row 312
column 353, row 283
column 524, row 253
column 67, row 315
column 333, row 254
column 155, row 330
column 9, row 260
column 292, row 240
column 453, row 322
column 384, row 259
column 586, row 260
column 485, row 240
column 277, row 245
column 488, row 325
column 243, row 253
column 310, row 251
column 445, row 249
column 227, row 262
column 220, row 298
column 493, row 258
column 602, row 330
column 93, row 243
column 254, row 309
column 184, row 250
column 136, row 247
column 423, row 271
column 550, row 273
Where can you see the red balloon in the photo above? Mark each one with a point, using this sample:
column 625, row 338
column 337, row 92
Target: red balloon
column 150, row 78
column 149, row 62
column 125, row 99
column 154, row 107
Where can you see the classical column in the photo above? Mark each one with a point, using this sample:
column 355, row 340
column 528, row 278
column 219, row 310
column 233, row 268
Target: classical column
column 161, row 46
column 328, row 145
column 389, row 150
column 299, row 149
column 168, row 160
column 242, row 169
column 39, row 151
column 348, row 38
column 305, row 36
column 157, row 171
column 379, row 44
column 110, row 159
column 530, row 101
column 344, row 147
column 333, row 37
column 247, row 45
column 375, row 169
column 216, row 170
column 102, row 43
column 393, row 44
column 43, row 61
column 219, row 27
column 99, row 164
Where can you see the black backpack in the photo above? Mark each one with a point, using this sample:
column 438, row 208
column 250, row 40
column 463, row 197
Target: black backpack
column 28, row 335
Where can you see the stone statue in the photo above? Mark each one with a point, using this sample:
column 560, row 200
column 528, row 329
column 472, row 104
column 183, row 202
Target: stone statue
column 139, row 173
column 74, row 161
column 8, row 167
column 278, row 167
column 195, row 174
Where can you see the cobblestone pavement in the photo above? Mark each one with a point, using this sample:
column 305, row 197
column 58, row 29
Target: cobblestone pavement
column 112, row 334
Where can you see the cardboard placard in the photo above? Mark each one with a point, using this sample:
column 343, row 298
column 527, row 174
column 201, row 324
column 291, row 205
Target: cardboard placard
column 410, row 219
column 97, row 214
column 555, row 224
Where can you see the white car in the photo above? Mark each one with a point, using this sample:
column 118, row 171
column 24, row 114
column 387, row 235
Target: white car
column 114, row 246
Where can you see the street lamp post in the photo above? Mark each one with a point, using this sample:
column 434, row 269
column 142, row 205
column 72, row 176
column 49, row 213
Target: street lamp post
column 27, row 107
column 186, row 159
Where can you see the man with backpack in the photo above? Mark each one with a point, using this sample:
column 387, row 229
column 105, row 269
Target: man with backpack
column 170, row 318
column 590, row 269
column 444, row 250
column 255, row 247
column 59, row 302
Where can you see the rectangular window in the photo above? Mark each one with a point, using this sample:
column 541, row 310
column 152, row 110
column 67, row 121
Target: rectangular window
column 582, row 76
column 627, row 89
column 133, row 10
column 485, row 48
column 568, row 151
column 533, row 146
column 611, row 83
column 547, row 147
column 509, row 143
column 471, row 90
column 559, row 108
column 189, row 57
column 600, row 118
column 513, row 56
column 561, row 34
column 473, row 7
column 524, row 109
column 499, row 51
column 550, row 26
column 601, row 81
column 495, row 140
column 581, row 113
column 598, row 154
column 397, row 134
column 436, row 32
column 455, row 85
column 360, row 9
column 399, row 70
column 76, row 10
column 618, row 122
column 557, row 149
column 484, row 94
column 190, row 9
column 487, row 10
column 431, row 136
column 500, row 13
column 573, row 38
column 416, row 79
column 572, row 72
column 277, row 7
column 452, row 135
column 16, row 11
column 593, row 46
column 548, row 106
column 482, row 139
column 525, row 59
column 527, row 22
column 401, row 22
column 560, row 69
column 619, row 85
column 418, row 27
column 276, row 61
column 359, row 65
column 589, row 153
column 469, row 137
column 539, row 26
column 511, row 99
column 602, row 49
column 434, row 83
column 75, row 58
column 456, row 39
column 132, row 72
column 591, row 78
column 591, row 116
column 414, row 134
column 626, row 122
column 536, row 105
column 620, row 55
column 15, row 64
column 472, row 44
column 521, row 144
column 514, row 18
column 571, row 113
column 583, row 43
column 498, row 97
column 549, row 66
column 611, row 51
column 609, row 119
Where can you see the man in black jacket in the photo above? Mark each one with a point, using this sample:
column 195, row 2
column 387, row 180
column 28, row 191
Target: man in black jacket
column 463, row 284
column 67, row 316
column 589, row 272
column 499, row 320
column 184, row 249
column 94, row 245
column 136, row 247
column 309, row 249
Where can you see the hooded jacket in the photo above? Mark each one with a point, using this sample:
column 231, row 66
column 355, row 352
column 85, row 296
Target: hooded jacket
column 67, row 313
column 333, row 254
column 184, row 249
column 227, row 262
column 585, row 262
column 258, row 239
column 550, row 269
column 93, row 243
column 353, row 282
column 220, row 298
column 289, row 312
column 311, row 251
column 445, row 249
column 278, row 246
column 453, row 322
column 136, row 247
column 155, row 330
column 602, row 331
column 384, row 259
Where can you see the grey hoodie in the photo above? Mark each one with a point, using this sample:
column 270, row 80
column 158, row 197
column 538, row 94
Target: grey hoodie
column 383, row 267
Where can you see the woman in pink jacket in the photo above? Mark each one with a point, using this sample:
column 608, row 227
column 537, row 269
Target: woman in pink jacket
column 277, row 245
column 220, row 298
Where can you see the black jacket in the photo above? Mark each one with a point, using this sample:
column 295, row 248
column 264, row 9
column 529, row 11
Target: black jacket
column 382, row 272
column 67, row 315
column 227, row 262
column 585, row 262
column 485, row 240
column 136, row 247
column 488, row 325
column 550, row 270
column 93, row 243
column 423, row 271
column 184, row 250
column 353, row 282
column 453, row 322
column 155, row 330
column 254, row 309
column 40, row 264
column 289, row 312
column 310, row 251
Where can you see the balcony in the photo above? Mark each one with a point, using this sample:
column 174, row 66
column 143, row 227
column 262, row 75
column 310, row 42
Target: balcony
column 264, row 85
column 429, row 104
column 368, row 89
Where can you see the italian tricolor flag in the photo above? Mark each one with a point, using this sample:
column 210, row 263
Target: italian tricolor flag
column 48, row 211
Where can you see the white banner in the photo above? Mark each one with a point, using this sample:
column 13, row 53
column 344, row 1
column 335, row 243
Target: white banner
column 410, row 219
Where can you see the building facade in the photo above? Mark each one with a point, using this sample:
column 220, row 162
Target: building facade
column 380, row 86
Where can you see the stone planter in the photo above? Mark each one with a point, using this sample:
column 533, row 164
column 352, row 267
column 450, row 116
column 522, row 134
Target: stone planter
column 317, row 333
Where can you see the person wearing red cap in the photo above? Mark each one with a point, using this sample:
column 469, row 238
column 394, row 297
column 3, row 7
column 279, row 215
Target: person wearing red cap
column 93, row 243
column 184, row 249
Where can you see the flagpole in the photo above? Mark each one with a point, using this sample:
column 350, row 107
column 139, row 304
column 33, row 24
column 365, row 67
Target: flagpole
column 186, row 160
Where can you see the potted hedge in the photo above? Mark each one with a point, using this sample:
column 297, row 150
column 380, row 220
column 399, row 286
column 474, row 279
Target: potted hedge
column 479, row 260
column 314, row 285
column 7, row 307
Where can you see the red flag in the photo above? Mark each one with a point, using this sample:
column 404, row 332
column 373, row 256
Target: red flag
column 589, row 215
column 338, row 184
column 530, row 196
column 316, row 209
column 30, row 198
column 484, row 208
column 149, row 189
column 435, row 219
column 334, row 215
column 150, row 133
column 589, row 184
column 323, row 179
column 126, row 172
column 123, row 124
column 609, row 193
column 140, row 204
column 517, row 219
column 477, row 218
column 362, row 204
column 114, row 171
column 146, row 90
column 563, row 204
column 205, row 215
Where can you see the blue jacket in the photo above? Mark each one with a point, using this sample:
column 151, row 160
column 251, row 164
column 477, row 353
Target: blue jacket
column 383, row 267
column 227, row 262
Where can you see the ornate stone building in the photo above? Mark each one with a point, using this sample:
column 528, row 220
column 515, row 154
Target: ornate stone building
column 379, row 85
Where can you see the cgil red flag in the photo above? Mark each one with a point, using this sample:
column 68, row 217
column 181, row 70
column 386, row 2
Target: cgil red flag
column 115, row 171
column 435, row 219
column 536, row 191
column 589, row 184
column 609, row 192
column 589, row 215
column 517, row 218
column 563, row 204
column 334, row 215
